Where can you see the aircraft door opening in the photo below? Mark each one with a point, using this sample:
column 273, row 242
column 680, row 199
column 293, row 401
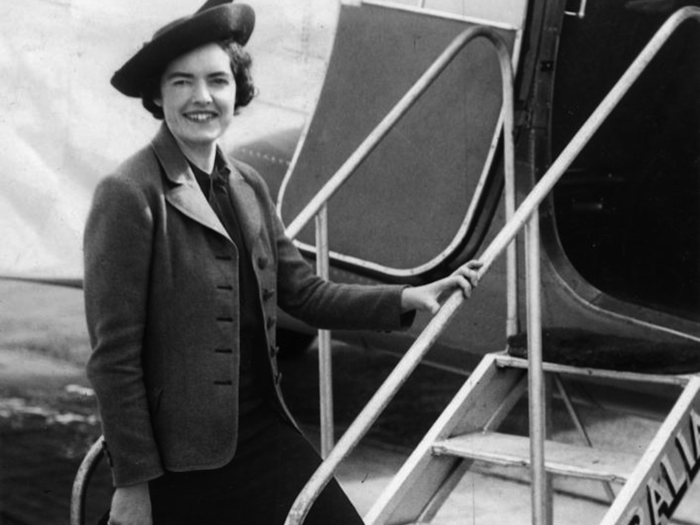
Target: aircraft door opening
column 627, row 213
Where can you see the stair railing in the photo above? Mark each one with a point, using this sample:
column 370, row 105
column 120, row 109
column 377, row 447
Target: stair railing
column 428, row 337
column 316, row 208
column 525, row 216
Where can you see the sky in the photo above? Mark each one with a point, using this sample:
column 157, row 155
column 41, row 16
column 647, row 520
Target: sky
column 63, row 126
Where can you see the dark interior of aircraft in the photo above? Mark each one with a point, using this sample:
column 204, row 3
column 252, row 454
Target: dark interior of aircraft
column 628, row 211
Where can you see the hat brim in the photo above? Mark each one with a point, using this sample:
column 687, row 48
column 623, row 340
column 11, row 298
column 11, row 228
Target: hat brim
column 231, row 21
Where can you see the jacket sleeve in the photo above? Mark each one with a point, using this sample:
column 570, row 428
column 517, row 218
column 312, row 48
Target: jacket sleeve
column 329, row 305
column 117, row 247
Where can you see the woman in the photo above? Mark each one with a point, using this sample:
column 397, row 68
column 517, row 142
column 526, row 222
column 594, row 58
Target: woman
column 186, row 263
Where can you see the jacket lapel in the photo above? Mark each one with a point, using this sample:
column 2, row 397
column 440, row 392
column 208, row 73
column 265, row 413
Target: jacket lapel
column 185, row 194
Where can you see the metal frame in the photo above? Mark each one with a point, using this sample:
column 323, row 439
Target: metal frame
column 581, row 12
column 325, row 371
column 421, row 8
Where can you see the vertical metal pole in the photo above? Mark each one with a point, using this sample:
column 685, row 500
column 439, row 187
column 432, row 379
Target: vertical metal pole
column 325, row 369
column 512, row 325
column 541, row 497
column 511, row 253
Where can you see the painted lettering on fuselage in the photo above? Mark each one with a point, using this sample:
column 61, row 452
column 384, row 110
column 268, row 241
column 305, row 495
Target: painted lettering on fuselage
column 670, row 480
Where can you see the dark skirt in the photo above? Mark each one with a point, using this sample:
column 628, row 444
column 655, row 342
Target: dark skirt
column 258, row 487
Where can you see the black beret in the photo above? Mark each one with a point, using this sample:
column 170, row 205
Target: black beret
column 215, row 20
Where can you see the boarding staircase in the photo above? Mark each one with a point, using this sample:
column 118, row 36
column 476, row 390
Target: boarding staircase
column 652, row 485
column 467, row 431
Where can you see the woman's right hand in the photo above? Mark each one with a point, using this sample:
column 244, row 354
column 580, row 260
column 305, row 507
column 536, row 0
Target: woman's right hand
column 131, row 506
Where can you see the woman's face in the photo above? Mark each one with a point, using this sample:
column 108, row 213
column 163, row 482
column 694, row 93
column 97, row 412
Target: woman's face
column 198, row 95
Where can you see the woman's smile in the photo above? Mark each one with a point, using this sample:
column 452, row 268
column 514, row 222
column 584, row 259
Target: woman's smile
column 200, row 116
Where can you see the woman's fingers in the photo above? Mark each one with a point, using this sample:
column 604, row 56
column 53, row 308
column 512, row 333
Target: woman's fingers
column 466, row 284
column 470, row 271
column 456, row 280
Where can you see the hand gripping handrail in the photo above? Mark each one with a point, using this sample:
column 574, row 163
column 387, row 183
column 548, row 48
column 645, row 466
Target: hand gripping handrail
column 514, row 225
column 426, row 339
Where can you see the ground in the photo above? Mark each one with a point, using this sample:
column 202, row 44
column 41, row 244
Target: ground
column 48, row 421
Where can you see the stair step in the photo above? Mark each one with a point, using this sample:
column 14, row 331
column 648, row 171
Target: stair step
column 560, row 458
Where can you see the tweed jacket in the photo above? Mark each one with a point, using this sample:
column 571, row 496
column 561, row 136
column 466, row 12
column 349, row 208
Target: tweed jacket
column 162, row 309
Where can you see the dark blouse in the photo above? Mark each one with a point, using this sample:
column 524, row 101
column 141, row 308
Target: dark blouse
column 252, row 329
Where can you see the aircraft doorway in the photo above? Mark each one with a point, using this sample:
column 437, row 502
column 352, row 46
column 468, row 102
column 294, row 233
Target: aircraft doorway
column 628, row 212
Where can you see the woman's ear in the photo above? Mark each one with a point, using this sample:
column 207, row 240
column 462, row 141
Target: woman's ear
column 158, row 101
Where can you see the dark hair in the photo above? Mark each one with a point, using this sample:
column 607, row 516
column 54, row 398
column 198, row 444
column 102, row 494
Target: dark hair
column 241, row 64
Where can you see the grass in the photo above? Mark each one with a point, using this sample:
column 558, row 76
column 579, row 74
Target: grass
column 45, row 320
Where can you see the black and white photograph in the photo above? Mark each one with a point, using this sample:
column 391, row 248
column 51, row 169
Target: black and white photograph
column 350, row 262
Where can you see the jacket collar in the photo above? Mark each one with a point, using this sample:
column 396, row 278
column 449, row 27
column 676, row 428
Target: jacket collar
column 186, row 196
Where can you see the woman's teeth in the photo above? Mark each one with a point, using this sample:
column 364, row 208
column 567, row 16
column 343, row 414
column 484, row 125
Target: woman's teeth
column 200, row 117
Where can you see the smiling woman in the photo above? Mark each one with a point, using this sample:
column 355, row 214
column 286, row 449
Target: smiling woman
column 186, row 262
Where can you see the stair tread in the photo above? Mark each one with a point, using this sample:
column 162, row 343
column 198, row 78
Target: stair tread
column 560, row 458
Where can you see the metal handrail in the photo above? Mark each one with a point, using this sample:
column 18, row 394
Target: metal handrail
column 525, row 213
column 384, row 127
column 316, row 207
column 430, row 334
column 82, row 478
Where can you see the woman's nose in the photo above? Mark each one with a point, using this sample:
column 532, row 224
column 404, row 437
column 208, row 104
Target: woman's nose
column 201, row 93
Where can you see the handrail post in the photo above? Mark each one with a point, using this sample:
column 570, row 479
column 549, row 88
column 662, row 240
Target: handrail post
column 512, row 324
column 325, row 370
column 541, row 498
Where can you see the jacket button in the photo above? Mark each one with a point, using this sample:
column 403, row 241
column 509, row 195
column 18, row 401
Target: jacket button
column 274, row 350
column 270, row 323
column 268, row 293
column 262, row 262
column 278, row 378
